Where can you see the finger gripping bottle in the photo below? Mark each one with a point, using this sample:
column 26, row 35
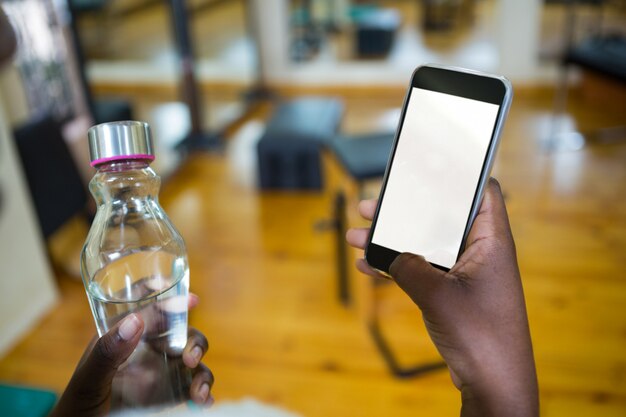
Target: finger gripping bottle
column 134, row 261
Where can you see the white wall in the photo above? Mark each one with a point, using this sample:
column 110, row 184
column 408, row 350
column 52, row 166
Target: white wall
column 518, row 26
column 270, row 22
column 27, row 288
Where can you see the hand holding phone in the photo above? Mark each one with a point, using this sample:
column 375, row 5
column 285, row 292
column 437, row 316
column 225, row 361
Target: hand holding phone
column 461, row 269
column 475, row 313
column 444, row 149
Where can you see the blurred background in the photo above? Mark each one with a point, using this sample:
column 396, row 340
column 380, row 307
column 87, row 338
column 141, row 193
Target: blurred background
column 225, row 84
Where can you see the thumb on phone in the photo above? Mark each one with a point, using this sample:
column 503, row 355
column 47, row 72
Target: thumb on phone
column 419, row 279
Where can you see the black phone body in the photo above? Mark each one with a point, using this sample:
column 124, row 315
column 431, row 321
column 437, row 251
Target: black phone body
column 442, row 156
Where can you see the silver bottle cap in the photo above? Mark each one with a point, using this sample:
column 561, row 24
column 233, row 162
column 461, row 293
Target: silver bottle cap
column 120, row 141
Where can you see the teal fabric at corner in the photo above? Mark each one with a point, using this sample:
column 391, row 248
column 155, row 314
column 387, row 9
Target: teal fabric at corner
column 25, row 402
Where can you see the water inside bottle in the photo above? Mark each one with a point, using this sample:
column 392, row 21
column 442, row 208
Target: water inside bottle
column 152, row 284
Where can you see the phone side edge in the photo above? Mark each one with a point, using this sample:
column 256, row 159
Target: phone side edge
column 490, row 158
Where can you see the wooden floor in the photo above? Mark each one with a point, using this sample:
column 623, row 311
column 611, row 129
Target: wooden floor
column 264, row 268
column 265, row 274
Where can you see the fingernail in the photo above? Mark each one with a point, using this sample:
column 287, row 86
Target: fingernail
column 196, row 353
column 204, row 392
column 129, row 327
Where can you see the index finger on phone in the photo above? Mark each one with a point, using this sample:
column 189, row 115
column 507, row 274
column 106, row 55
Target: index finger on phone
column 493, row 201
column 367, row 208
column 357, row 237
column 492, row 218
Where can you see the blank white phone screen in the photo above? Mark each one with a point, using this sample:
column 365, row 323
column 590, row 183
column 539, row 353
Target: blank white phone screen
column 434, row 176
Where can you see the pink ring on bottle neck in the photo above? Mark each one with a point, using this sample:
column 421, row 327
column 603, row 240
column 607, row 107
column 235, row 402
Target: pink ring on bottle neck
column 101, row 161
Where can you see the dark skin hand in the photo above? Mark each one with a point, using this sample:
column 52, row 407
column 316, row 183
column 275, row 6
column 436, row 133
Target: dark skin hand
column 92, row 389
column 475, row 313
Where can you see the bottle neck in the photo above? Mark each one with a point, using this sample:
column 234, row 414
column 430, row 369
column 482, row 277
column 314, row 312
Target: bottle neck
column 124, row 181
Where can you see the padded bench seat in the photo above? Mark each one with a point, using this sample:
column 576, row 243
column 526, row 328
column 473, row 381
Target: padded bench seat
column 289, row 150
column 364, row 157
column 604, row 55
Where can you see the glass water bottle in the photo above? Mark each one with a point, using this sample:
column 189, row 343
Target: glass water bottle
column 134, row 261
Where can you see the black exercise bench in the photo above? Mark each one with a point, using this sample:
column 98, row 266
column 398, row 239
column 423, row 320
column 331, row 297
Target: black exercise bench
column 289, row 150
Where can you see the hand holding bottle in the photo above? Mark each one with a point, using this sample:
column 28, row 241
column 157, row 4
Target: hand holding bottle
column 134, row 264
column 92, row 390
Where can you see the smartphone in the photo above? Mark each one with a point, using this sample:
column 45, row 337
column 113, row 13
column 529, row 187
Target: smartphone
column 444, row 148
